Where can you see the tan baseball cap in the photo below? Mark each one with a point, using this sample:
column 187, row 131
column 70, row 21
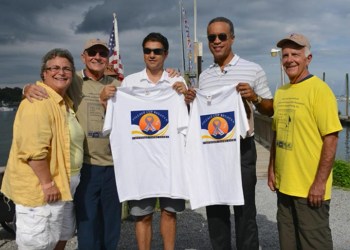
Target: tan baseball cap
column 93, row 42
column 295, row 38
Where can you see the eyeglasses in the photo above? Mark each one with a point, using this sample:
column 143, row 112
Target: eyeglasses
column 148, row 51
column 56, row 69
column 222, row 37
column 102, row 53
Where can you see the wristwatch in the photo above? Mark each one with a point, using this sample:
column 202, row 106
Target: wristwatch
column 258, row 100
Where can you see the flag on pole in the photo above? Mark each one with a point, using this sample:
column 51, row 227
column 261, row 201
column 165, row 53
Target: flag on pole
column 188, row 42
column 114, row 53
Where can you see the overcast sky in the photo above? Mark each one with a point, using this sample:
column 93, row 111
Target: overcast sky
column 28, row 29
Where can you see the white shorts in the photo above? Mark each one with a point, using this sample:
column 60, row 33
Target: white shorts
column 42, row 227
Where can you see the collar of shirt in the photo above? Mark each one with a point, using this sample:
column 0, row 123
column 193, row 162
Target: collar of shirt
column 233, row 62
column 163, row 79
column 55, row 96
column 85, row 77
column 306, row 77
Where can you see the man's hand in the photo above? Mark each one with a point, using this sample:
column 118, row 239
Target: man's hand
column 32, row 91
column 107, row 92
column 190, row 95
column 172, row 72
column 317, row 190
column 180, row 87
column 246, row 91
column 271, row 178
column 316, row 194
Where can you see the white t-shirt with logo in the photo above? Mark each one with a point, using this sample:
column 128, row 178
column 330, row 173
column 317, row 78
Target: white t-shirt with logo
column 147, row 127
column 212, row 155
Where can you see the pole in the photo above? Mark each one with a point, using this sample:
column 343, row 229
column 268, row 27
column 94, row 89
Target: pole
column 196, row 49
column 199, row 59
column 282, row 69
column 195, row 20
column 116, row 39
column 198, row 46
column 347, row 95
column 182, row 38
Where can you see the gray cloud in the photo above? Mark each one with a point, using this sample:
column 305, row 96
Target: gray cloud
column 30, row 28
column 132, row 14
column 21, row 20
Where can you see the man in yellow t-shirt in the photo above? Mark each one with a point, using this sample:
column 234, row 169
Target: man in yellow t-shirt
column 306, row 126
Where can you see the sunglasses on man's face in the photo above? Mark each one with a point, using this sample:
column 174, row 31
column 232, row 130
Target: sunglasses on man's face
column 222, row 37
column 93, row 53
column 158, row 51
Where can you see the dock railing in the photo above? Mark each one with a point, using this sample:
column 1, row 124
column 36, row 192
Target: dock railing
column 262, row 129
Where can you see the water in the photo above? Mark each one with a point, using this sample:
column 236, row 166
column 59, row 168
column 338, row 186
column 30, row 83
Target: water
column 343, row 149
column 342, row 107
column 6, row 122
column 7, row 118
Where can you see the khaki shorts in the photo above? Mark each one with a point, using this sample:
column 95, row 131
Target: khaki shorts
column 301, row 226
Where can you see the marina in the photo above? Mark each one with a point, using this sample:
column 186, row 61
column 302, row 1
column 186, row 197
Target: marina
column 6, row 108
column 345, row 120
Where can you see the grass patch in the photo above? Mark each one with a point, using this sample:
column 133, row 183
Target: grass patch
column 341, row 174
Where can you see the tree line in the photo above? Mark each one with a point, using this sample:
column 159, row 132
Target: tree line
column 10, row 96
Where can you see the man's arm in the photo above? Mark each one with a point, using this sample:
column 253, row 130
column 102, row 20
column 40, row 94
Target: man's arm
column 32, row 91
column 107, row 92
column 271, row 181
column 179, row 87
column 172, row 72
column 318, row 187
column 264, row 106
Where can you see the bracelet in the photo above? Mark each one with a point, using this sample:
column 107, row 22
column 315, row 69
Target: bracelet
column 48, row 185
column 258, row 100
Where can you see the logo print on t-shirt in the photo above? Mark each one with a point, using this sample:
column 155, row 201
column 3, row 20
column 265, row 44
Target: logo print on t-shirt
column 218, row 127
column 149, row 124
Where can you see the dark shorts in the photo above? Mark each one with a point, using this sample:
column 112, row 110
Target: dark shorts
column 146, row 206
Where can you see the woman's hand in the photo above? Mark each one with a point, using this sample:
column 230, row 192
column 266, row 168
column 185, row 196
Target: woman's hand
column 51, row 192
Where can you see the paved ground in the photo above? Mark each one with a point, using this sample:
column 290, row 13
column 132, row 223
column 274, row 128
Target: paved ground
column 192, row 226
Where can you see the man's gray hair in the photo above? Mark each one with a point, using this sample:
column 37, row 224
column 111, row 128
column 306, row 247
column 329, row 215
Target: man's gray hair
column 307, row 51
